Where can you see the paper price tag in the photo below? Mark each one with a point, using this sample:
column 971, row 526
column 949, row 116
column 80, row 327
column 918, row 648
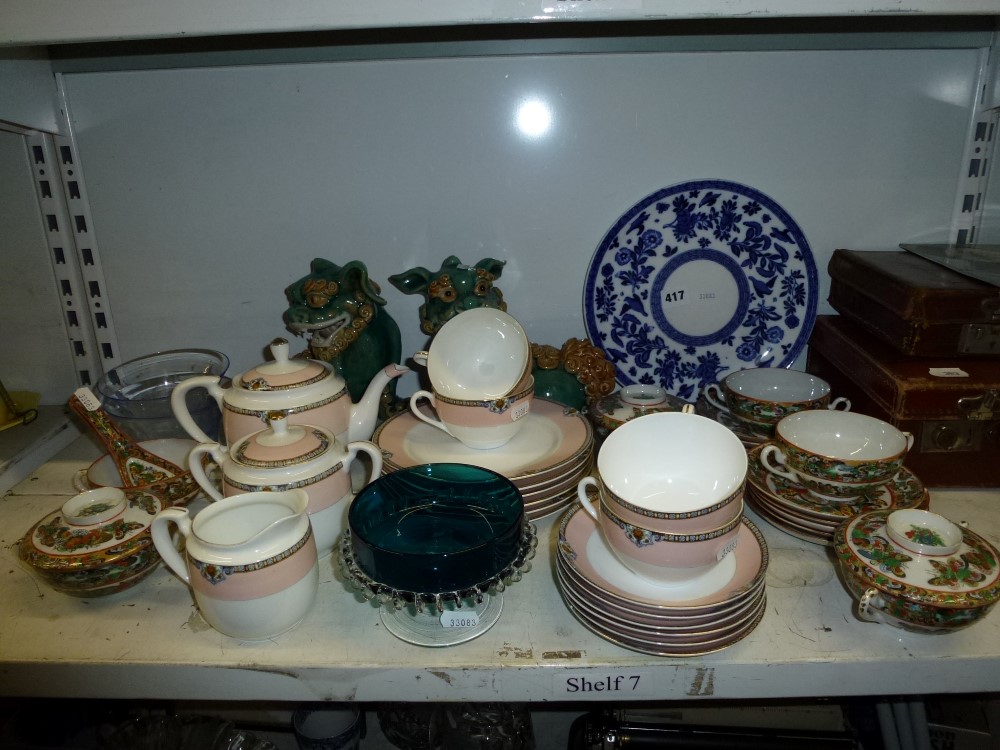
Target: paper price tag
column 727, row 549
column 459, row 619
column 87, row 398
column 948, row 372
column 521, row 410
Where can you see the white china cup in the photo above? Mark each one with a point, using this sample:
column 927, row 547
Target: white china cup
column 671, row 494
column 760, row 397
column 836, row 455
column 479, row 354
column 483, row 424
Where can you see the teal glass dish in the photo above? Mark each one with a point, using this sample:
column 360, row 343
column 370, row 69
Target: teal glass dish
column 436, row 528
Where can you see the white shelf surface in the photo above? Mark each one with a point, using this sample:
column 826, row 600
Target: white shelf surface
column 150, row 642
column 34, row 22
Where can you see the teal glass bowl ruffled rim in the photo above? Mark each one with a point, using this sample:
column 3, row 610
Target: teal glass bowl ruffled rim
column 436, row 533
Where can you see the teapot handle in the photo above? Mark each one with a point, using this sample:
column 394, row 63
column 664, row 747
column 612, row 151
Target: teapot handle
column 159, row 530
column 178, row 403
column 217, row 454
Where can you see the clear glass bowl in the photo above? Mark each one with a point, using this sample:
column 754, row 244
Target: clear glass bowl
column 136, row 394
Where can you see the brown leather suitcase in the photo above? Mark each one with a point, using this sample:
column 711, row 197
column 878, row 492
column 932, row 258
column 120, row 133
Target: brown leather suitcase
column 951, row 405
column 915, row 305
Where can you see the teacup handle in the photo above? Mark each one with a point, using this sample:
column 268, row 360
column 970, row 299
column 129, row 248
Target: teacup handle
column 159, row 530
column 420, row 358
column 713, row 394
column 415, row 399
column 765, row 459
column 909, row 440
column 218, row 454
column 581, row 495
column 838, row 402
column 365, row 446
column 868, row 606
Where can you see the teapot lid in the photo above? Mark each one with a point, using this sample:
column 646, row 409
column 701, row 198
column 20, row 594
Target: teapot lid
column 282, row 444
column 968, row 577
column 92, row 530
column 284, row 372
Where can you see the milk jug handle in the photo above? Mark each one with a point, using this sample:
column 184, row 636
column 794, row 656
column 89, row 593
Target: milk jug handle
column 159, row 530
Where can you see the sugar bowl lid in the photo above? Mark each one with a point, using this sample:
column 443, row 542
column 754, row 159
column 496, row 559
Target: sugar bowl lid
column 921, row 557
column 282, row 445
column 91, row 530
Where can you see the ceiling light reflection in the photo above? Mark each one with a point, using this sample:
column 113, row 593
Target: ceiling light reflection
column 533, row 118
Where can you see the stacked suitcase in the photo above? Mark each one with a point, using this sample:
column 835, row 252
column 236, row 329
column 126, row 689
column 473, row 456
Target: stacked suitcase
column 915, row 344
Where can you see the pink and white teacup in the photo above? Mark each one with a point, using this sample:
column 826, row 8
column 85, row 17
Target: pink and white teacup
column 671, row 494
column 482, row 424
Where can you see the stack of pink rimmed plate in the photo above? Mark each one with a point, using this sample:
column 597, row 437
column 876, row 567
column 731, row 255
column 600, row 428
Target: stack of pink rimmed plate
column 545, row 460
column 789, row 506
column 698, row 616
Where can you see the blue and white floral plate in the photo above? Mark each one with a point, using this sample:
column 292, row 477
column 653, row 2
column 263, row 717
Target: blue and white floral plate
column 698, row 280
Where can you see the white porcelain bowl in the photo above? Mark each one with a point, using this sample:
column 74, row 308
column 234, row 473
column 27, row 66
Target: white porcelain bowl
column 479, row 354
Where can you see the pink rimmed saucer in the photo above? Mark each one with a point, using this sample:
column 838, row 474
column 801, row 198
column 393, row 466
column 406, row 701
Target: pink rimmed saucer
column 584, row 552
column 555, row 440
column 664, row 636
column 636, row 624
column 655, row 647
column 539, row 509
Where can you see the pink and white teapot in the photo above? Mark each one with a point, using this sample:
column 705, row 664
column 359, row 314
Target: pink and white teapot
column 307, row 391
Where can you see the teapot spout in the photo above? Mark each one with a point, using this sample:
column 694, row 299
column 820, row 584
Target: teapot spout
column 364, row 413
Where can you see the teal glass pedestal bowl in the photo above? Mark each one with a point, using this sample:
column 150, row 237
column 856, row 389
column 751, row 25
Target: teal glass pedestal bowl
column 436, row 529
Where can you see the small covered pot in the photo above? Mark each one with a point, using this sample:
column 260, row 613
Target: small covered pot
column 917, row 570
column 289, row 456
column 97, row 543
column 615, row 409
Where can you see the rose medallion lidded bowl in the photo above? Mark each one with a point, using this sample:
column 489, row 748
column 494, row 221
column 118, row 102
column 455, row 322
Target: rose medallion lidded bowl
column 97, row 543
column 917, row 570
column 615, row 409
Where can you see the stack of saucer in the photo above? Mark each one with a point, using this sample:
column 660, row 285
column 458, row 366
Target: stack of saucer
column 697, row 616
column 790, row 506
column 747, row 436
column 545, row 460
